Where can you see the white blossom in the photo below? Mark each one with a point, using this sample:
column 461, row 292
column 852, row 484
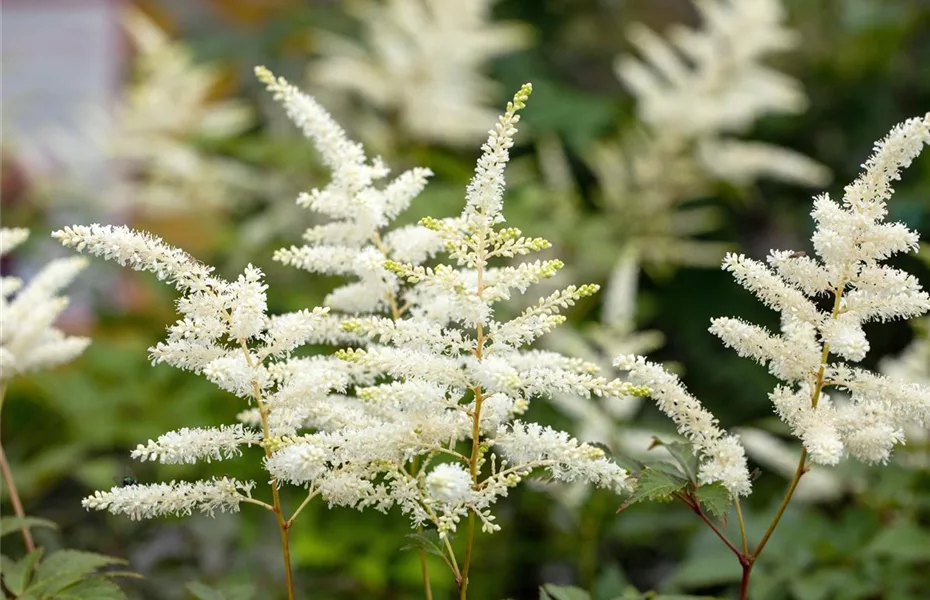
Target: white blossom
column 28, row 339
column 146, row 501
column 723, row 458
column 850, row 240
column 449, row 484
column 421, row 59
column 188, row 445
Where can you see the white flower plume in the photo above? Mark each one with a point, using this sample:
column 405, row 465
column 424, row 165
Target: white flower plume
column 28, row 339
column 850, row 240
column 155, row 162
column 723, row 459
column 646, row 176
column 456, row 376
column 421, row 59
column 225, row 334
column 147, row 501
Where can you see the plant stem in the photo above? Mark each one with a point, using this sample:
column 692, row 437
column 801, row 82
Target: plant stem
column 396, row 313
column 473, row 469
column 15, row 501
column 275, row 495
column 424, row 569
column 11, row 487
column 696, row 507
column 784, row 504
column 311, row 494
column 742, row 526
column 476, row 422
column 748, row 560
column 744, row 582
column 424, row 565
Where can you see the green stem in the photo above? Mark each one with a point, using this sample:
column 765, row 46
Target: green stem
column 476, row 420
column 283, row 525
column 310, row 496
column 742, row 526
column 801, row 469
column 473, row 469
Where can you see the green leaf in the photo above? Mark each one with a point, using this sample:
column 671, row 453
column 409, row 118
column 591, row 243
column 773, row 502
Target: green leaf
column 629, row 463
column 65, row 568
column 901, row 541
column 819, row 585
column 683, row 453
column 425, row 540
column 708, row 569
column 562, row 592
column 17, row 575
column 13, row 524
column 714, row 497
column 655, row 484
column 92, row 589
column 204, row 592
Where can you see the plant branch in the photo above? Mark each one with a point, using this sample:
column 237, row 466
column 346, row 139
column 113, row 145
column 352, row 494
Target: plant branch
column 476, row 423
column 275, row 494
column 11, row 487
column 742, row 526
column 696, row 507
column 311, row 494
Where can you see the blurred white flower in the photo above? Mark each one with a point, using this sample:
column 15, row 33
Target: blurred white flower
column 152, row 140
column 694, row 92
column 421, row 62
column 29, row 341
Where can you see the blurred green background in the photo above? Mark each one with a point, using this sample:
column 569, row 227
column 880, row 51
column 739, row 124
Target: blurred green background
column 864, row 65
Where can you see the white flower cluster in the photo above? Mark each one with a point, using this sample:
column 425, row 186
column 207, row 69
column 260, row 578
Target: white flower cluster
column 458, row 376
column 851, row 240
column 139, row 501
column 225, row 334
column 159, row 169
column 28, row 339
column 421, row 58
column 718, row 72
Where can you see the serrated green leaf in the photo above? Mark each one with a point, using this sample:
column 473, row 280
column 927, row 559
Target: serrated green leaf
column 204, row 592
column 13, row 524
column 427, row 541
column 629, row 463
column 901, row 541
column 714, row 498
column 65, row 568
column 562, row 592
column 654, row 484
column 17, row 574
column 684, row 455
column 92, row 589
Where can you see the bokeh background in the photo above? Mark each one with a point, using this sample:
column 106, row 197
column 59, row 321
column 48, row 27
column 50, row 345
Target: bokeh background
column 147, row 113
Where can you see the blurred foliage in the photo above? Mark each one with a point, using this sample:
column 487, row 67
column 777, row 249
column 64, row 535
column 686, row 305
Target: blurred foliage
column 61, row 574
column 863, row 64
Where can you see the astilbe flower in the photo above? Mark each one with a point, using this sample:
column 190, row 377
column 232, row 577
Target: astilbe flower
column 224, row 334
column 28, row 339
column 157, row 155
column 850, row 241
column 719, row 72
column 441, row 438
column 418, row 59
